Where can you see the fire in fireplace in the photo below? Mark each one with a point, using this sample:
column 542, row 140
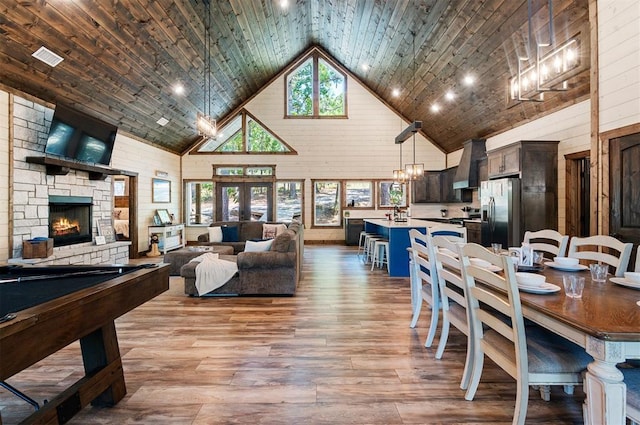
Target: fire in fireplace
column 70, row 219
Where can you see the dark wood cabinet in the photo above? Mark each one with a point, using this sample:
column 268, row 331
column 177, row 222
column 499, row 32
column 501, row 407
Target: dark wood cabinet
column 474, row 231
column 504, row 161
column 535, row 162
column 437, row 187
column 427, row 189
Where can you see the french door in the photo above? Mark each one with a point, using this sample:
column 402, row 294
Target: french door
column 240, row 201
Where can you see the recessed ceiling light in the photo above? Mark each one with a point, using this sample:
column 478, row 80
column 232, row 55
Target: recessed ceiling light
column 162, row 121
column 449, row 95
column 469, row 80
column 365, row 67
column 284, row 4
column 435, row 107
column 395, row 92
column 47, row 56
column 178, row 89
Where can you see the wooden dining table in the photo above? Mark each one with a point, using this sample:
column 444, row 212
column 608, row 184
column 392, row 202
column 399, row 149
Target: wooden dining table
column 606, row 323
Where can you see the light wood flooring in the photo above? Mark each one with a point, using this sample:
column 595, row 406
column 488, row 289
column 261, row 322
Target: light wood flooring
column 339, row 352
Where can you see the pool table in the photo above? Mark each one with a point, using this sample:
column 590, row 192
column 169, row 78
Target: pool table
column 44, row 309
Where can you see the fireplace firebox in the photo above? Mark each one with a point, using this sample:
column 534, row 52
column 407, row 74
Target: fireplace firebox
column 70, row 219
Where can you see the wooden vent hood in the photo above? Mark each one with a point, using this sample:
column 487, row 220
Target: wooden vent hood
column 467, row 174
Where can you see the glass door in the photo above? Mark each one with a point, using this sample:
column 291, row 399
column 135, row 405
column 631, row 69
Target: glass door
column 251, row 201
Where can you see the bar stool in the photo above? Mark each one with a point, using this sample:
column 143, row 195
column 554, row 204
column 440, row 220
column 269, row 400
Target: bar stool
column 362, row 242
column 369, row 245
column 380, row 253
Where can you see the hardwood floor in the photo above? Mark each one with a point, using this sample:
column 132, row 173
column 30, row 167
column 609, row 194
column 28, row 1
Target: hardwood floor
column 339, row 352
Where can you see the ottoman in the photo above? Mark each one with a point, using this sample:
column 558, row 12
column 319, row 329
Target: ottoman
column 180, row 257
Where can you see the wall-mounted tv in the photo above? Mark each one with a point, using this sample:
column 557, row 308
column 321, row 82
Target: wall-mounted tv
column 77, row 136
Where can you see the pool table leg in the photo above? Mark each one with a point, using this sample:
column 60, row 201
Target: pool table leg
column 99, row 350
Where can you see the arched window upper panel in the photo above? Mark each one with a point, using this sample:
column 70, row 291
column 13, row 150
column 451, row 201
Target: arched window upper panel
column 315, row 88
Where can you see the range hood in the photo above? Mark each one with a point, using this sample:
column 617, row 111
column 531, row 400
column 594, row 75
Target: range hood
column 467, row 173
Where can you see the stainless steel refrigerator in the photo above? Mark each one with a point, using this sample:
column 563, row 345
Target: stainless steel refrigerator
column 500, row 212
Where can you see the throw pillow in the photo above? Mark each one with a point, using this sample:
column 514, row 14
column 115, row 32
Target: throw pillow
column 215, row 234
column 270, row 231
column 263, row 246
column 281, row 242
column 230, row 234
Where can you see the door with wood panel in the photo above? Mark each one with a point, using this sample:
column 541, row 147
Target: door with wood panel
column 624, row 190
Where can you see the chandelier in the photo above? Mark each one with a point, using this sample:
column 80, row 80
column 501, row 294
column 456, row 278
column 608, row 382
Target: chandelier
column 205, row 123
column 399, row 175
column 550, row 69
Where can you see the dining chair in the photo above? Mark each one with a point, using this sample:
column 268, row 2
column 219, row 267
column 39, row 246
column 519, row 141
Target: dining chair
column 637, row 269
column 632, row 381
column 454, row 300
column 532, row 357
column 424, row 282
column 541, row 241
column 456, row 234
column 619, row 262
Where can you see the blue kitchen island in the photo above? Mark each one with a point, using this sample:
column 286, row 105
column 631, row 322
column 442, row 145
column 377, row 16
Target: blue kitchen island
column 398, row 234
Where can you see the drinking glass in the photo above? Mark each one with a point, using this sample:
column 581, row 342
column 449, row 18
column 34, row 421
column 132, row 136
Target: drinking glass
column 573, row 285
column 538, row 256
column 599, row 272
column 496, row 248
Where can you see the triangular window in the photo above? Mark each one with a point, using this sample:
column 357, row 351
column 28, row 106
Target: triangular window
column 245, row 134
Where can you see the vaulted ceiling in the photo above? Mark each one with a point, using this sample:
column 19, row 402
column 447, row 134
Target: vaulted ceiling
column 123, row 57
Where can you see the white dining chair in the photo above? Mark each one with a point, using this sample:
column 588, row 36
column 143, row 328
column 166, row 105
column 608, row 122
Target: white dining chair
column 454, row 300
column 532, row 357
column 424, row 282
column 632, row 381
column 458, row 234
column 637, row 269
column 590, row 248
column 549, row 241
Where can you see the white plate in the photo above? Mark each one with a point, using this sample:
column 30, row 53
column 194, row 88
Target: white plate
column 575, row 268
column 624, row 282
column 546, row 288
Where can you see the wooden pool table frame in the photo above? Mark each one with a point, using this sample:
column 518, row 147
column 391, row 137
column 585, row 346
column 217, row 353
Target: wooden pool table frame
column 87, row 315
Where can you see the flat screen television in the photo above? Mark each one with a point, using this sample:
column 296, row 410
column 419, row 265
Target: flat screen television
column 77, row 136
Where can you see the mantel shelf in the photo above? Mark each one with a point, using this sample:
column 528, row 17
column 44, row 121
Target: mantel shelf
column 61, row 167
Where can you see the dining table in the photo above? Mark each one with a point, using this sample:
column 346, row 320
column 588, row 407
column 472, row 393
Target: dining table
column 606, row 323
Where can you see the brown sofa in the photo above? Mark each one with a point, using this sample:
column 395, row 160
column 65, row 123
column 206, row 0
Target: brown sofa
column 245, row 231
column 274, row 272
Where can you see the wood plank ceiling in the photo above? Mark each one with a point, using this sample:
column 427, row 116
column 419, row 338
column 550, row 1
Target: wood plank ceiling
column 122, row 57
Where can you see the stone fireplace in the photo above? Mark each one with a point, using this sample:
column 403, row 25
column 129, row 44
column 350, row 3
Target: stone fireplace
column 70, row 219
column 62, row 206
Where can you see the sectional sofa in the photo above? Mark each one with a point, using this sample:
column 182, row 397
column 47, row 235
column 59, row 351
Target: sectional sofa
column 273, row 272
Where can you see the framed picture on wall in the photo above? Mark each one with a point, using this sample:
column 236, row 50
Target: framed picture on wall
column 392, row 194
column 160, row 191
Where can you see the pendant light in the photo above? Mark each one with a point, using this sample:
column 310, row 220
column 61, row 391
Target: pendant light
column 399, row 176
column 415, row 170
column 205, row 123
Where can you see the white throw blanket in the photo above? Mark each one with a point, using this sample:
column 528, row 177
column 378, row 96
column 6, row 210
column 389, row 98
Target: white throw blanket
column 212, row 272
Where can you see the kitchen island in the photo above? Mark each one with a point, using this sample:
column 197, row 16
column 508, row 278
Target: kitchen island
column 398, row 234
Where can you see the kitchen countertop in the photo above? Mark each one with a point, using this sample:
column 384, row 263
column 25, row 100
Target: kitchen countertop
column 410, row 223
